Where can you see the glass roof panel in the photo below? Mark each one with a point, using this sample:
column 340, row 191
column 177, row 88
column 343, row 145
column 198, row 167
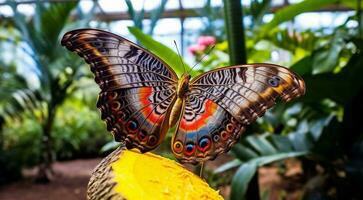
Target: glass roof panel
column 86, row 6
column 172, row 4
column 112, row 6
column 26, row 9
column 163, row 26
column 316, row 20
column 277, row 2
column 6, row 11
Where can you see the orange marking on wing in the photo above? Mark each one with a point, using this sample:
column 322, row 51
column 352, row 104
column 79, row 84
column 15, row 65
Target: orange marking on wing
column 201, row 120
column 144, row 95
column 94, row 50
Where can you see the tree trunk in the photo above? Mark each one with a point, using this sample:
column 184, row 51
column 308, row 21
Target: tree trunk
column 45, row 171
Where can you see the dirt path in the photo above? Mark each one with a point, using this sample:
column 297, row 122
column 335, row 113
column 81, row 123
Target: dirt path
column 70, row 183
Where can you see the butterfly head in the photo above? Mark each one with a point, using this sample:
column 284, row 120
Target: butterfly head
column 186, row 76
column 183, row 85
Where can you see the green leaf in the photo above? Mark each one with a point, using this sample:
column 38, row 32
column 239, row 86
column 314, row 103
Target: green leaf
column 294, row 41
column 42, row 34
column 246, row 171
column 303, row 66
column 269, row 148
column 243, row 153
column 258, row 9
column 262, row 146
column 163, row 52
column 241, row 179
column 53, row 20
column 301, row 141
column 317, row 126
column 335, row 86
column 282, row 143
column 289, row 12
column 326, row 59
column 227, row 166
column 21, row 101
column 352, row 3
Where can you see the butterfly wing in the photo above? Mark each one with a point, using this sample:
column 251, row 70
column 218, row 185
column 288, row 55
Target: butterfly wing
column 137, row 88
column 222, row 102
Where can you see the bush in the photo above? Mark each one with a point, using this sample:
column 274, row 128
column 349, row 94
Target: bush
column 78, row 133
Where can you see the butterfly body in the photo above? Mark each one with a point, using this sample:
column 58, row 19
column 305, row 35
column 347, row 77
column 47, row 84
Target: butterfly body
column 178, row 106
column 141, row 97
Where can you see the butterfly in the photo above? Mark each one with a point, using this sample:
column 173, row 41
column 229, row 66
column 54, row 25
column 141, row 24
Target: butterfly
column 142, row 97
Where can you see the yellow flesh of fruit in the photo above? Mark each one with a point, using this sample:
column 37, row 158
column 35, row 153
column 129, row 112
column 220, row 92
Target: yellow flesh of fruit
column 149, row 176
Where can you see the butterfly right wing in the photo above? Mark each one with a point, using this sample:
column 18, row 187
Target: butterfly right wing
column 221, row 102
column 137, row 88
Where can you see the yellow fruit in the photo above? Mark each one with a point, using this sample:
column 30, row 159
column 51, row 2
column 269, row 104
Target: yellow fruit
column 128, row 174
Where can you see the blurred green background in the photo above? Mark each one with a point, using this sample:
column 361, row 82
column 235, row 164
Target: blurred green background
column 313, row 145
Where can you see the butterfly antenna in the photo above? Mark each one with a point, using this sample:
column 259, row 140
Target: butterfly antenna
column 181, row 60
column 201, row 59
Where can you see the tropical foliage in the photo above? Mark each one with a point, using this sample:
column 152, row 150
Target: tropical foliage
column 321, row 130
column 53, row 72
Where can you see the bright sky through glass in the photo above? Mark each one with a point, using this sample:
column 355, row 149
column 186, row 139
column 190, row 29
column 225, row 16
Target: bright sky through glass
column 315, row 20
column 168, row 29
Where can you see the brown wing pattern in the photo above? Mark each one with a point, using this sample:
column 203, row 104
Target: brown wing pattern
column 136, row 86
column 205, row 131
column 222, row 102
column 247, row 91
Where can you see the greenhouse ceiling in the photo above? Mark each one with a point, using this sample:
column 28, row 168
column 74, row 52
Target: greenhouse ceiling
column 107, row 10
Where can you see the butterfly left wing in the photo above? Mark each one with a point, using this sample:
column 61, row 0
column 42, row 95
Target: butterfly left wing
column 137, row 88
column 222, row 102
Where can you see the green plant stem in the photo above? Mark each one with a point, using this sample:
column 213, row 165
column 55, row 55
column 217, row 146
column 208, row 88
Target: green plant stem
column 359, row 16
column 237, row 52
column 182, row 18
column 235, row 31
